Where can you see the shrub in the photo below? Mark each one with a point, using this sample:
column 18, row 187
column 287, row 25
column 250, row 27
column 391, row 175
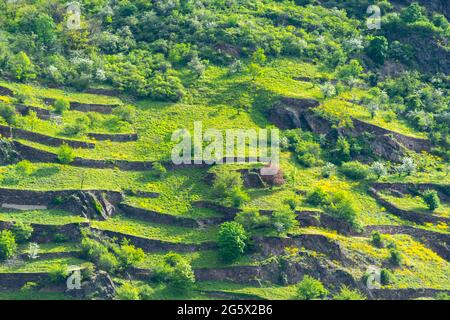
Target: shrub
column 8, row 245
column 65, row 154
column 8, row 112
column 58, row 273
column 310, row 288
column 379, row 169
column 129, row 255
column 22, row 231
column 108, row 262
column 386, row 277
column 378, row 49
column 328, row 170
column 348, row 294
column 61, row 106
column 127, row 291
column 251, row 219
column 442, row 296
column 376, row 239
column 80, row 127
column 431, row 199
column 238, row 197
column 407, row 167
column 232, row 241
column 354, row 170
column 342, row 206
column 146, row 292
column 284, row 221
column 395, row 257
column 29, row 287
column 317, row 197
column 125, row 113
column 176, row 271
column 342, row 149
column 226, row 181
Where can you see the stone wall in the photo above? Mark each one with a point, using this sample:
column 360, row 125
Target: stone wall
column 41, row 113
column 124, row 137
column 86, row 107
column 4, row 91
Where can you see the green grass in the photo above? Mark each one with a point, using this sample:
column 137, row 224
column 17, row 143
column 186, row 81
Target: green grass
column 33, row 295
column 52, row 247
column 48, row 217
column 416, row 204
column 39, row 265
column 156, row 231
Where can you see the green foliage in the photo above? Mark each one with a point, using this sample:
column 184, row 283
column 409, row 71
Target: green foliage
column 8, row 113
column 377, row 49
column 21, row 67
column 229, row 187
column 284, row 221
column 128, row 255
column 348, row 294
column 252, row 220
column 342, row 149
column 317, row 197
column 386, row 277
column 376, row 239
column 24, row 168
column 412, row 13
column 22, row 231
column 176, row 271
column 354, row 170
column 342, row 206
column 8, row 245
column 310, row 288
column 431, row 199
column 232, row 241
column 58, row 273
column 395, row 257
column 65, row 154
column 159, row 170
column 125, row 113
column 127, row 291
column 61, row 106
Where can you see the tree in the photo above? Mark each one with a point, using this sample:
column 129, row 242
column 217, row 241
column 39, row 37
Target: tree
column 45, row 27
column 377, row 49
column 232, row 241
column 8, row 245
column 376, row 239
column 407, row 167
column 351, row 70
column 176, row 271
column 342, row 206
column 65, row 154
column 21, row 67
column 8, row 112
column 354, row 170
column 257, row 60
column 379, row 169
column 412, row 13
column 310, row 288
column 127, row 291
column 197, row 66
column 431, row 199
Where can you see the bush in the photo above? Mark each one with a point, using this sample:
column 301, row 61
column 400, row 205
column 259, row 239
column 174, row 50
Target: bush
column 386, row 277
column 22, row 231
column 58, row 273
column 342, row 207
column 238, row 197
column 379, row 169
column 129, row 255
column 284, row 221
column 80, row 127
column 108, row 262
column 176, row 271
column 226, row 181
column 349, row 294
column 232, row 241
column 61, row 106
column 8, row 245
column 376, row 239
column 146, row 292
column 310, row 288
column 251, row 219
column 431, row 199
column 8, row 112
column 65, row 154
column 442, row 296
column 317, row 197
column 354, row 170
column 395, row 257
column 127, row 292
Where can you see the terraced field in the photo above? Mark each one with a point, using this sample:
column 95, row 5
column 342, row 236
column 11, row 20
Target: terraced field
column 93, row 207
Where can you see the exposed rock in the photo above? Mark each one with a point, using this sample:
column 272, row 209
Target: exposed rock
column 91, row 205
column 99, row 287
column 8, row 153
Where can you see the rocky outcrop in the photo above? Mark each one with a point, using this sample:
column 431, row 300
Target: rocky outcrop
column 290, row 113
column 11, row 132
column 414, row 188
column 253, row 178
column 8, row 152
column 405, row 294
column 99, row 286
column 90, row 204
column 117, row 137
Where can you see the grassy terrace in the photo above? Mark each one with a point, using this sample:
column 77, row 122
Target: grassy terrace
column 48, row 217
column 52, row 248
column 416, row 204
column 156, row 231
column 20, row 295
column 40, row 265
